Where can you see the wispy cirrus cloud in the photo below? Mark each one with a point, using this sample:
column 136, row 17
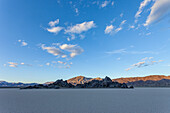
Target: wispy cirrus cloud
column 120, row 26
column 142, row 5
column 147, row 61
column 14, row 64
column 125, row 51
column 59, row 64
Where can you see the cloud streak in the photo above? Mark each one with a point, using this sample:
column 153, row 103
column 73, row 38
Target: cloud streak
column 125, row 51
column 14, row 64
column 142, row 5
column 147, row 61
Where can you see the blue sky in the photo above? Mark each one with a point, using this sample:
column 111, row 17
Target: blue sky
column 47, row 40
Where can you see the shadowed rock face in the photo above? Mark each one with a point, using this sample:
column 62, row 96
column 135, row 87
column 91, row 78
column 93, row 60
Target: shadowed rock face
column 105, row 83
column 150, row 83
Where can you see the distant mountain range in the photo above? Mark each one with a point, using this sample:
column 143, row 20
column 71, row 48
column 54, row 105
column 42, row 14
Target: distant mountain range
column 12, row 84
column 147, row 81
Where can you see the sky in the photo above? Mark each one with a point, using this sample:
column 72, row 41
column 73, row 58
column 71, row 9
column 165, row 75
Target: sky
column 47, row 40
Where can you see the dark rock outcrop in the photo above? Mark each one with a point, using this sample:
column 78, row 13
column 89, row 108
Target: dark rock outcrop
column 104, row 83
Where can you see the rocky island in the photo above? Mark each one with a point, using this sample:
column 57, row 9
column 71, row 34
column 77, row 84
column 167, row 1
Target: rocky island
column 95, row 83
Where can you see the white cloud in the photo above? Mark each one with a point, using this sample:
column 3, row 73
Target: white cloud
column 113, row 3
column 142, row 5
column 105, row 3
column 131, row 27
column 62, row 62
column 159, row 9
column 120, row 26
column 53, row 23
column 109, row 29
column 121, row 15
column 19, row 40
column 47, row 63
column 55, row 30
column 53, row 50
column 14, row 64
column 118, row 29
column 79, row 28
column 123, row 22
column 76, row 10
column 23, row 43
column 128, row 69
column 68, row 39
column 64, row 56
column 118, row 58
column 74, row 49
column 22, row 63
column 148, row 33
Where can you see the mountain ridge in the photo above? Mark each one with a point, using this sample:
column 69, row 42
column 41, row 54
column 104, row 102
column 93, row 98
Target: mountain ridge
column 153, row 80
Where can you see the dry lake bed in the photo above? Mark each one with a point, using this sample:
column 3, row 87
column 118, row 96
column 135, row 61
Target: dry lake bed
column 138, row 100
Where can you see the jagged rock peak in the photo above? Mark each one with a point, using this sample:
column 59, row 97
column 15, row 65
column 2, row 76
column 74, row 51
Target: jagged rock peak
column 107, row 79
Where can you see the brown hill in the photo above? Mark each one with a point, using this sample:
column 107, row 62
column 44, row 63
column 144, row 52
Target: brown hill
column 81, row 80
column 133, row 79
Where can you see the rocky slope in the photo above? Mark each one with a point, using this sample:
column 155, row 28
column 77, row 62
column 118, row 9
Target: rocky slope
column 146, row 78
column 84, row 83
column 150, row 83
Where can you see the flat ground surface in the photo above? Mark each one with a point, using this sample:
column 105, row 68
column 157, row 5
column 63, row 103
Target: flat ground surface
column 138, row 100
